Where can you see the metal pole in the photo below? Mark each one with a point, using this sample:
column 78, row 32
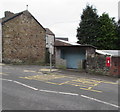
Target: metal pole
column 50, row 62
column 0, row 40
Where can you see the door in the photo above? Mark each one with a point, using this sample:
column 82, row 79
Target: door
column 73, row 58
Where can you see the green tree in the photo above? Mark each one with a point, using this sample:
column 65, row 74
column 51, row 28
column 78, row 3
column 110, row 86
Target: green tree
column 102, row 32
column 107, row 35
column 118, row 36
column 88, row 29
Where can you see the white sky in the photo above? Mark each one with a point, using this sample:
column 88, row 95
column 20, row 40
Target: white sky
column 60, row 16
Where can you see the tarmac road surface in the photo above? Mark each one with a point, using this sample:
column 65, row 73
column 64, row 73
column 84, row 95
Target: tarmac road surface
column 32, row 88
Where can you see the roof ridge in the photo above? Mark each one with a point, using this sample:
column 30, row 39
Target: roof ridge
column 71, row 43
column 5, row 19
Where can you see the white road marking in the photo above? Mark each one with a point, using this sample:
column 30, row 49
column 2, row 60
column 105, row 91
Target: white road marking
column 25, row 85
column 48, row 91
column 6, row 79
column 100, row 101
column 19, row 83
column 73, row 94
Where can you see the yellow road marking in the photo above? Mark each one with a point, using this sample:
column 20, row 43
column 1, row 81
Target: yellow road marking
column 29, row 71
column 44, row 77
column 1, row 64
column 64, row 83
column 77, row 85
column 52, row 83
column 91, row 90
column 3, row 73
column 86, row 87
column 83, row 83
column 109, row 82
column 47, row 69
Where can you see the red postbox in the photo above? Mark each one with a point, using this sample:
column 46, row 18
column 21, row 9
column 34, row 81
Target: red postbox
column 108, row 61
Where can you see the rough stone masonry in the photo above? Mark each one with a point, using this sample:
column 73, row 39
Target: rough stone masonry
column 23, row 38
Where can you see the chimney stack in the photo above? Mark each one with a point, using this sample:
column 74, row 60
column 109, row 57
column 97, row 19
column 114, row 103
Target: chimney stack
column 8, row 14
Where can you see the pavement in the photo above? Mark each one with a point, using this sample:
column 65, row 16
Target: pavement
column 35, row 87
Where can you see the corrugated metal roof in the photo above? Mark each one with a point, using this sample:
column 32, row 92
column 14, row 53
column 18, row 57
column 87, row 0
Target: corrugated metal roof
column 67, row 42
column 63, row 43
column 109, row 52
column 62, row 38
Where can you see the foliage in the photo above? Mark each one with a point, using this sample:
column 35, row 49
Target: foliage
column 118, row 35
column 100, row 31
column 107, row 35
column 87, row 30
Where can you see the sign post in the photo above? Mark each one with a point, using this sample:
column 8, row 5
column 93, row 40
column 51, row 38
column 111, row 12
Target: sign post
column 0, row 40
column 51, row 52
column 50, row 62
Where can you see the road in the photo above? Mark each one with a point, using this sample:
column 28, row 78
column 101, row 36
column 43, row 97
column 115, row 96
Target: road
column 33, row 88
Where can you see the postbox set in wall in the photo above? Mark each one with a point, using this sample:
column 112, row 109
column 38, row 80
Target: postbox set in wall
column 108, row 61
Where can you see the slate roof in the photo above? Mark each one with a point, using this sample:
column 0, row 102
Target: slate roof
column 8, row 18
column 63, row 43
column 49, row 32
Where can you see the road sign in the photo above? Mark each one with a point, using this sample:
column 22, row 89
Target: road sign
column 51, row 48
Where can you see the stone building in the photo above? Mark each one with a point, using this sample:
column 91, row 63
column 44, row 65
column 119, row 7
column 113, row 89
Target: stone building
column 72, row 55
column 23, row 38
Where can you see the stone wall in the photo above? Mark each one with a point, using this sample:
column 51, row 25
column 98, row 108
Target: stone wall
column 59, row 62
column 97, row 65
column 115, row 66
column 23, row 40
column 90, row 52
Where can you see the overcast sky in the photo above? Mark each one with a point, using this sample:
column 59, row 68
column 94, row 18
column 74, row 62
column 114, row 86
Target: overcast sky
column 60, row 16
